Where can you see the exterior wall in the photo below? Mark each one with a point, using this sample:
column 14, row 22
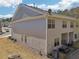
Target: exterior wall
column 37, row 44
column 31, row 27
column 77, row 36
column 76, row 31
column 35, row 31
column 56, row 33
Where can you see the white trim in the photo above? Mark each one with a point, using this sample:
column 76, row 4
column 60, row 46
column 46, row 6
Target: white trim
column 46, row 35
column 29, row 18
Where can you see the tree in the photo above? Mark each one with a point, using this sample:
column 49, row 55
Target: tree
column 7, row 19
column 49, row 11
column 3, row 20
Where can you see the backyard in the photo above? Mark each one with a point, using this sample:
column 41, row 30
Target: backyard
column 7, row 47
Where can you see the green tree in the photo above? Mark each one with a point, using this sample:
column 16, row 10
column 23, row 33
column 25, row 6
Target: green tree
column 49, row 11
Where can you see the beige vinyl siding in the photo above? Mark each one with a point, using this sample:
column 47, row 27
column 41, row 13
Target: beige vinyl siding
column 57, row 32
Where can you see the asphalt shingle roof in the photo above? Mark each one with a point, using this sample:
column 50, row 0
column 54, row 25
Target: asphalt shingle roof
column 24, row 10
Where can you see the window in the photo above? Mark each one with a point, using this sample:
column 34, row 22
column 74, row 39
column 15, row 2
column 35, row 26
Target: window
column 56, row 42
column 22, row 38
column 25, row 39
column 77, row 25
column 75, row 36
column 71, row 24
column 51, row 23
column 64, row 24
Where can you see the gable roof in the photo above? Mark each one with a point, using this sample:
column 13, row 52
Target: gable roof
column 24, row 10
column 41, row 10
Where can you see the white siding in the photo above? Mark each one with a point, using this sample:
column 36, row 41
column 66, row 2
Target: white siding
column 35, row 31
column 56, row 33
column 33, row 28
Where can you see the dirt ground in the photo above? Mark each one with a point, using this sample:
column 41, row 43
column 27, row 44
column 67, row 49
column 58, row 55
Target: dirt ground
column 7, row 47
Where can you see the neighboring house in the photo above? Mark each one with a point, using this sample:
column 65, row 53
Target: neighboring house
column 5, row 24
column 42, row 32
column 0, row 27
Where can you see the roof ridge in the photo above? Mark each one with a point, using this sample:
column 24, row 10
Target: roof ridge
column 39, row 9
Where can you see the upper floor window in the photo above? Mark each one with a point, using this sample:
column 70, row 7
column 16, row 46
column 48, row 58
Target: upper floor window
column 64, row 25
column 71, row 24
column 51, row 23
column 77, row 25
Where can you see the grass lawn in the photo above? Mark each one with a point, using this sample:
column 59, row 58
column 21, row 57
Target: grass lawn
column 7, row 47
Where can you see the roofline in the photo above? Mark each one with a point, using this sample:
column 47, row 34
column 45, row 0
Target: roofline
column 29, row 8
column 29, row 18
column 35, row 7
column 46, row 16
column 62, row 17
column 34, row 10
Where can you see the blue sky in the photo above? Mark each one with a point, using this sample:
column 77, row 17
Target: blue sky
column 10, row 10
column 8, row 7
column 41, row 1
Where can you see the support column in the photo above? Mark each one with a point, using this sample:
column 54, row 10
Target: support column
column 60, row 39
column 68, row 38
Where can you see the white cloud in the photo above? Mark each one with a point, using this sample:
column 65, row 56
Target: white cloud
column 30, row 4
column 62, row 5
column 6, row 16
column 67, row 4
column 9, row 3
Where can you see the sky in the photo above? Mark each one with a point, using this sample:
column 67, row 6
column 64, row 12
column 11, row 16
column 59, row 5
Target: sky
column 8, row 7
